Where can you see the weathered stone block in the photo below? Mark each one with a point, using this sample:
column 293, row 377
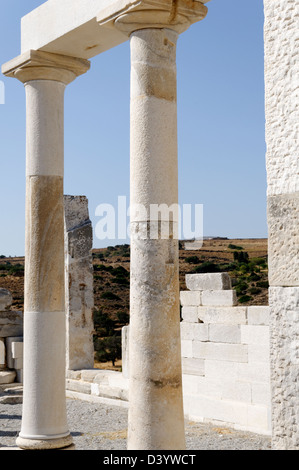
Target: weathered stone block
column 189, row 314
column 17, row 349
column 75, row 211
column 284, row 361
column 89, row 375
column 209, row 387
column 186, row 348
column 9, row 342
column 258, row 315
column 261, row 393
column 197, row 331
column 208, row 281
column 220, row 351
column 193, row 366
column 259, row 353
column 200, row 332
column 223, row 315
column 281, row 95
column 19, row 375
column 2, row 354
column 258, row 418
column 255, row 334
column 7, row 376
column 11, row 324
column 222, row 333
column 80, row 241
column 18, row 363
column 117, row 380
column 5, row 299
column 109, row 392
column 235, row 390
column 78, row 386
column 190, row 298
column 219, row 297
column 79, row 298
column 215, row 369
column 186, row 330
column 102, row 378
column 283, row 235
column 227, row 411
column 257, row 372
column 73, row 374
column 191, row 383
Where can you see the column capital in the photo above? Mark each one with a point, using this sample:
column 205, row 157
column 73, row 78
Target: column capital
column 176, row 15
column 40, row 65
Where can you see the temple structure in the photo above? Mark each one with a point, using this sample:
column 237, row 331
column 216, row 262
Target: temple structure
column 57, row 39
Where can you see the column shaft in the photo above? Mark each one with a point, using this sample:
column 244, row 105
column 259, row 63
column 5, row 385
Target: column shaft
column 156, row 419
column 44, row 422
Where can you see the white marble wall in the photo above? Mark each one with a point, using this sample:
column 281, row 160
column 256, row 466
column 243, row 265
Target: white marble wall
column 225, row 357
column 282, row 130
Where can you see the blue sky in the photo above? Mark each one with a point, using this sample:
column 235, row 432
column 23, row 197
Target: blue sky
column 221, row 129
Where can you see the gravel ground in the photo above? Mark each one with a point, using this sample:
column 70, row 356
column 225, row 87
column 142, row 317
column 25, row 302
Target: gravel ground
column 102, row 427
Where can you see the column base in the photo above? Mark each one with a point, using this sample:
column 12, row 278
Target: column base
column 45, row 444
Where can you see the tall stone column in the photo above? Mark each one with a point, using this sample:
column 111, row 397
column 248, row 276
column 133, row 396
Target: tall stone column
column 156, row 417
column 45, row 76
column 282, row 128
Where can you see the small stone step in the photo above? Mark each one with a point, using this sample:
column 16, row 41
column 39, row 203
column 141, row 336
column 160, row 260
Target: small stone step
column 11, row 389
column 7, row 376
column 11, row 399
column 11, row 394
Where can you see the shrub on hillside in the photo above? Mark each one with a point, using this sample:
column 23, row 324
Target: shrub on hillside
column 234, row 247
column 104, row 325
column 207, row 267
column 192, row 260
column 109, row 296
column 244, row 299
column 108, row 349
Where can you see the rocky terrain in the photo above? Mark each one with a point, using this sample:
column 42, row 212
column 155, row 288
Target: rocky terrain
column 244, row 259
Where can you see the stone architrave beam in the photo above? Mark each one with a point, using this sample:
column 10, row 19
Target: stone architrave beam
column 78, row 27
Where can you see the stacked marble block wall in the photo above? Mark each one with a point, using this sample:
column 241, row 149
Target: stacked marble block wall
column 282, row 129
column 225, row 356
column 11, row 341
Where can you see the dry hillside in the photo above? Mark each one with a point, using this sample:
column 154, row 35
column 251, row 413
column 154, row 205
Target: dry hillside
column 244, row 259
column 112, row 270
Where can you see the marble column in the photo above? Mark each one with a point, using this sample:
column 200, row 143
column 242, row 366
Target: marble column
column 156, row 417
column 45, row 76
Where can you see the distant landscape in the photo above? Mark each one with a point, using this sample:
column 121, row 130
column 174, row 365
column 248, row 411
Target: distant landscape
column 244, row 259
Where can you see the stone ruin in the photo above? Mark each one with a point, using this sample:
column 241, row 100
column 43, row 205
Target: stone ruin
column 11, row 341
column 53, row 54
column 225, row 353
column 79, row 299
column 225, row 348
